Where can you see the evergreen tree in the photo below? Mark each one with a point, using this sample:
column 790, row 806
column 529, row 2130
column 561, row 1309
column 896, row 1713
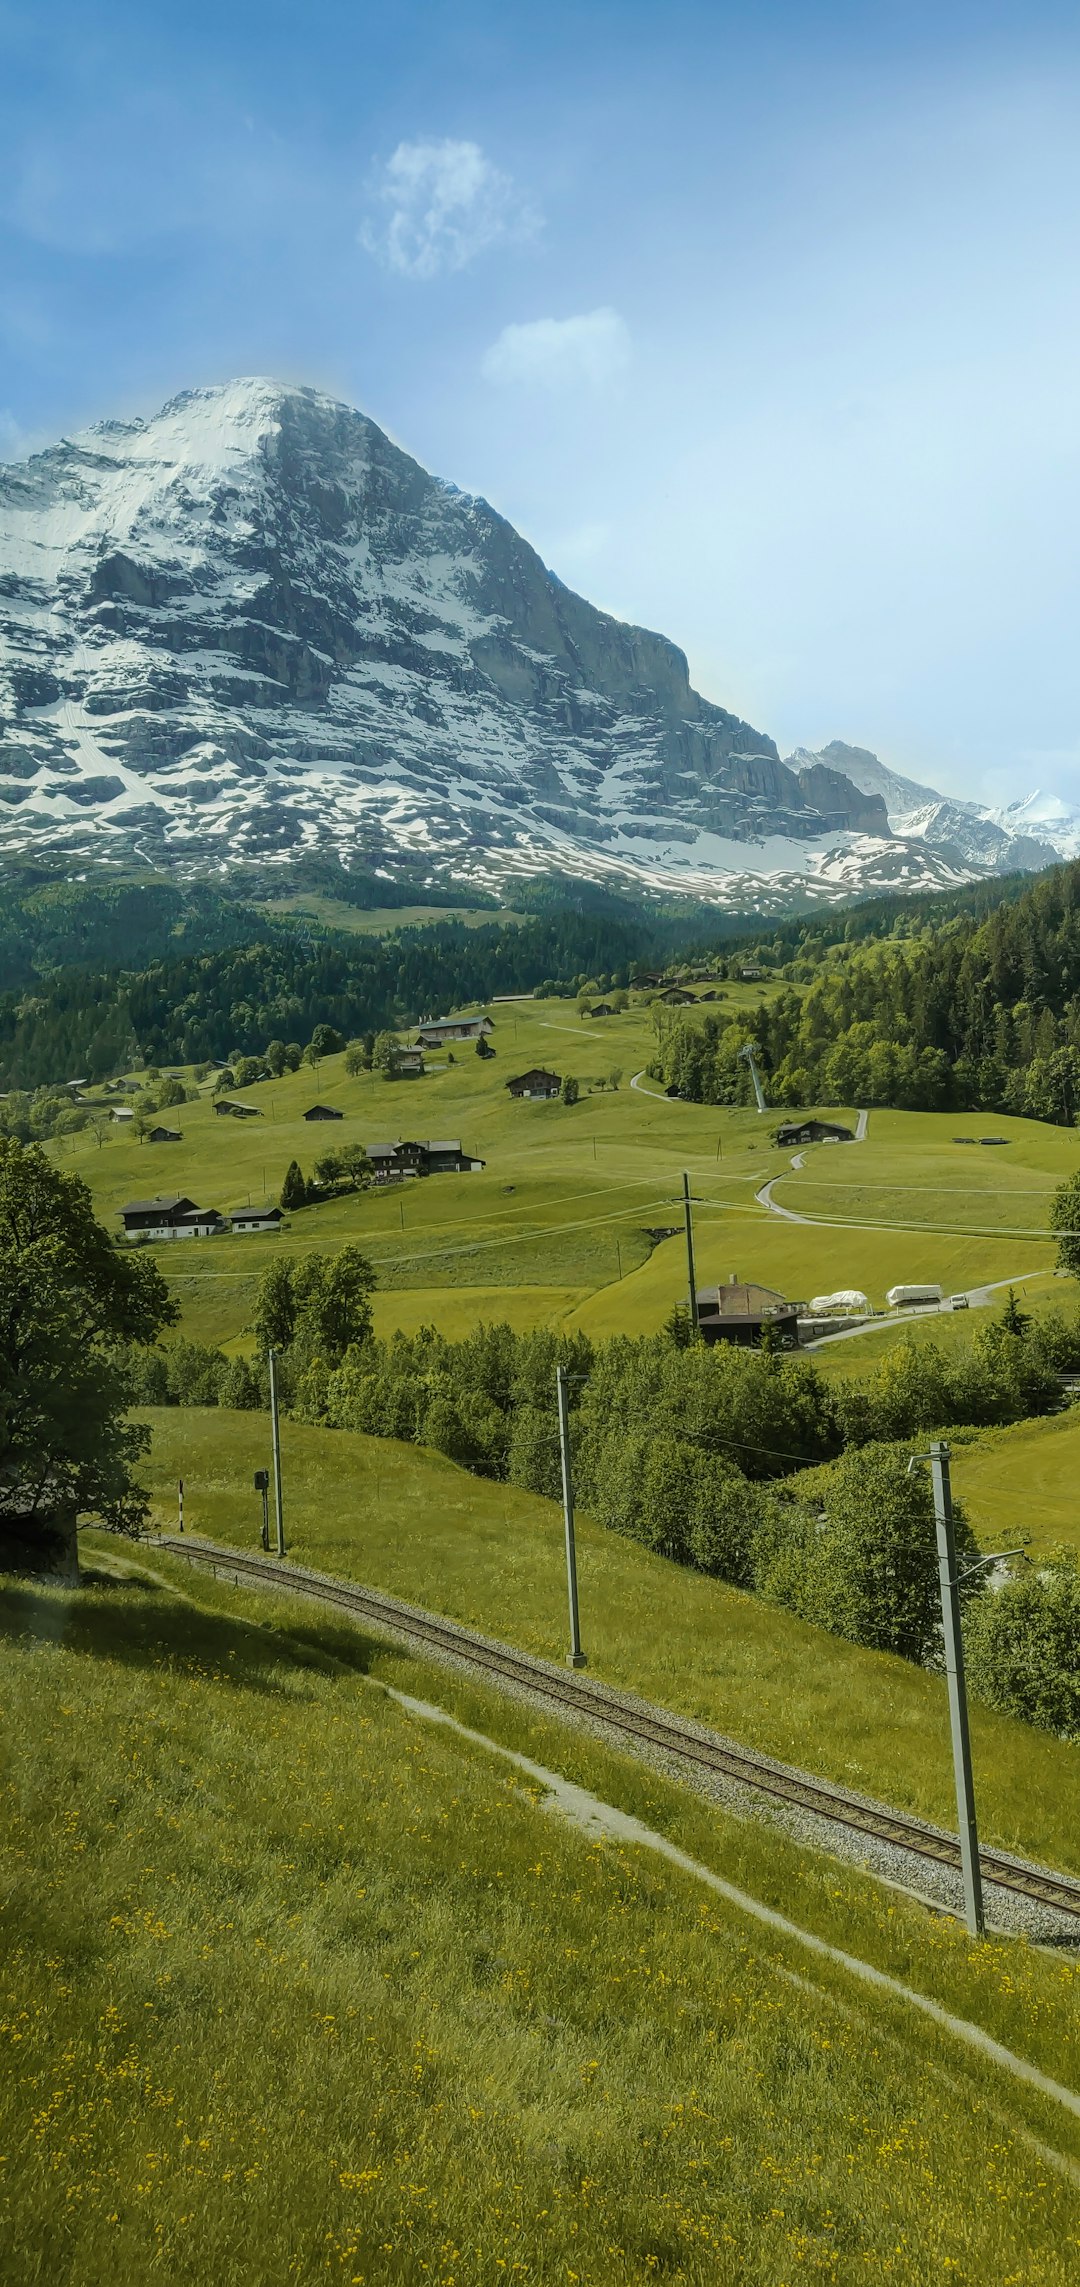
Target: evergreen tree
column 294, row 1190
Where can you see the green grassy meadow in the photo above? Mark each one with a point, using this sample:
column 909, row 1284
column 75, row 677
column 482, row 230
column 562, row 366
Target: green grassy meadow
column 1023, row 1481
column 346, row 2002
column 383, row 920
column 553, row 1231
column 402, row 1518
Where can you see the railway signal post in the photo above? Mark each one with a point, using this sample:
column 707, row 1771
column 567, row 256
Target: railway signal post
column 575, row 1656
column 262, row 1485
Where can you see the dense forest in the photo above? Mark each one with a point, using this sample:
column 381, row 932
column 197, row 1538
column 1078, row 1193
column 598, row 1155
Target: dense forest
column 213, row 1004
column 969, row 1000
column 975, row 1012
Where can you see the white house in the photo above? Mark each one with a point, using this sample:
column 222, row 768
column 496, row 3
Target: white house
column 254, row 1219
column 170, row 1216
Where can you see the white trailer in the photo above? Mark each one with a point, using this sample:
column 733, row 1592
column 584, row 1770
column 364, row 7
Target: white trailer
column 915, row 1297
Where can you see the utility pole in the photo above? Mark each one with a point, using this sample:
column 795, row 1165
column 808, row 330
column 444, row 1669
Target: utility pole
column 276, row 1432
column 180, row 1492
column 691, row 1274
column 575, row 1656
column 954, row 1669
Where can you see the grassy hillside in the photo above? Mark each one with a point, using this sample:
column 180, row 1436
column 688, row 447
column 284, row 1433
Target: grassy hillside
column 560, row 1214
column 401, row 1518
column 1023, row 1480
column 346, row 2003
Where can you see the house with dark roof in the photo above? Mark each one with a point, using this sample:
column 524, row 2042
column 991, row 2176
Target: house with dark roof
column 170, row 1215
column 442, row 1029
column 255, row 1219
column 322, row 1112
column 813, row 1131
column 164, row 1135
column 675, row 998
column 444, row 1157
column 228, row 1109
column 536, row 1085
column 739, row 1313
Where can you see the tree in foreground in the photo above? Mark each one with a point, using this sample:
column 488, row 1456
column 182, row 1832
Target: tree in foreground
column 68, row 1300
column 1023, row 1644
column 1065, row 1220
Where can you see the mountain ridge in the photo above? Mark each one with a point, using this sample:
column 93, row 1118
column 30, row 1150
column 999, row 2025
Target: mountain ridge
column 253, row 625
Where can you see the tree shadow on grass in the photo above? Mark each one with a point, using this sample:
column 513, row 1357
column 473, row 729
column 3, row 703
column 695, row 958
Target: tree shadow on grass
column 142, row 1622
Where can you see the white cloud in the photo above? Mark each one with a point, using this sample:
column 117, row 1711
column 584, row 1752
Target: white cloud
column 556, row 353
column 16, row 443
column 436, row 205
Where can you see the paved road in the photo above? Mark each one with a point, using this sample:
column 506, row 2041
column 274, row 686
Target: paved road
column 658, row 1094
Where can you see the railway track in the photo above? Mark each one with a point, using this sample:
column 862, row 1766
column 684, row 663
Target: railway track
column 632, row 1721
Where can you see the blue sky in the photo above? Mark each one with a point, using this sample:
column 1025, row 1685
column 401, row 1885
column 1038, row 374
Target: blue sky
column 761, row 321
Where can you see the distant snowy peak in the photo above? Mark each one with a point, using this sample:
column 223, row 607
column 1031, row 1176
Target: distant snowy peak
column 253, row 626
column 1046, row 817
column 1020, row 839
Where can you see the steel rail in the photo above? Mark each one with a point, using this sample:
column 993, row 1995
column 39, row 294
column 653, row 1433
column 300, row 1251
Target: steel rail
column 651, row 1726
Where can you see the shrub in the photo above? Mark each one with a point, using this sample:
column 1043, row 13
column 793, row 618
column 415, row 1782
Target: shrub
column 1023, row 1645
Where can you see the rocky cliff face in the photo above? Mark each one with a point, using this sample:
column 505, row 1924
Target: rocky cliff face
column 971, row 837
column 253, row 623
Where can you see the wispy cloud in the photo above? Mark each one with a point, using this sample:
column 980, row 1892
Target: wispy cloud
column 559, row 353
column 16, row 443
column 434, row 206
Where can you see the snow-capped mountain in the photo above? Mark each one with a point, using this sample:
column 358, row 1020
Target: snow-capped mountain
column 1045, row 816
column 253, row 625
column 1021, row 839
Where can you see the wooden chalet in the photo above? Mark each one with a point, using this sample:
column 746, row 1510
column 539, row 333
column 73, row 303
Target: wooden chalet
column 170, row 1215
column 537, row 1086
column 738, row 1313
column 813, row 1131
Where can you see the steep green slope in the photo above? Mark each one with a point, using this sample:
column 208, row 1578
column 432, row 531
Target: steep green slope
column 296, row 1986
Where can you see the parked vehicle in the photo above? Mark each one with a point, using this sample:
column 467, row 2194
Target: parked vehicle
column 914, row 1297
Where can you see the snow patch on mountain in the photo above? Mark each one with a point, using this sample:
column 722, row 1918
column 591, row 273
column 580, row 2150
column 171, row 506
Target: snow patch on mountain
column 252, row 626
column 986, row 841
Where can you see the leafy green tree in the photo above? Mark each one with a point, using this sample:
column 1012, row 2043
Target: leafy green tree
column 275, row 1058
column 1023, row 1644
column 348, row 1166
column 326, row 1040
column 274, row 1316
column 570, row 1090
column 293, row 1055
column 68, row 1300
column 357, row 1059
column 171, row 1092
column 867, row 1567
column 226, row 1079
column 1065, row 1220
column 294, row 1190
column 248, row 1069
column 385, row 1055
column 332, row 1296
